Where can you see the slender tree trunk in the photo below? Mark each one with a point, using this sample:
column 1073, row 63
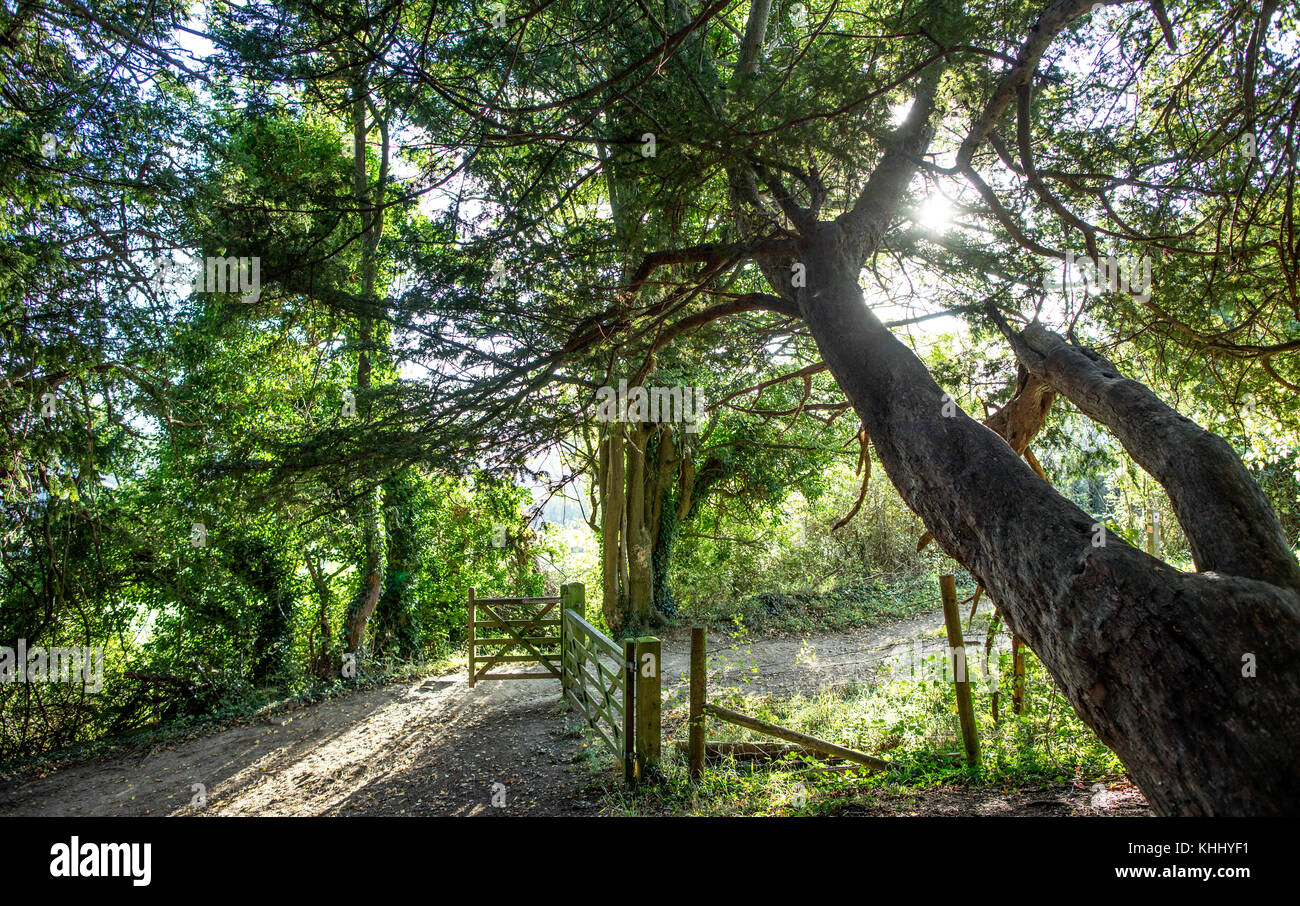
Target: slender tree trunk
column 323, row 662
column 663, row 524
column 639, row 538
column 612, row 522
column 372, row 563
column 615, row 573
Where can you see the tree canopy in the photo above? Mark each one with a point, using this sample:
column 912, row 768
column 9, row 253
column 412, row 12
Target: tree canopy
column 299, row 297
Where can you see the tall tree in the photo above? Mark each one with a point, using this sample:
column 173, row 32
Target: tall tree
column 1149, row 656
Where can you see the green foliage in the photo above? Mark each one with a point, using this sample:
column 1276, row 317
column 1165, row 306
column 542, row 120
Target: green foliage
column 788, row 568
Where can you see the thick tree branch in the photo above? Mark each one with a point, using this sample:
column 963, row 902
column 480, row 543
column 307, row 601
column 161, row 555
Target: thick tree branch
column 1050, row 24
column 1228, row 521
column 709, row 253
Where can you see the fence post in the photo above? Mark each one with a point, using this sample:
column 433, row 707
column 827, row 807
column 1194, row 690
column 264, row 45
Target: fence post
column 629, row 711
column 699, row 681
column 471, row 638
column 965, row 711
column 648, row 705
column 1017, row 674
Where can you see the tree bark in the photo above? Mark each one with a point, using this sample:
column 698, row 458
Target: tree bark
column 323, row 663
column 1229, row 524
column 664, row 526
column 1024, row 415
column 612, row 505
column 1151, row 658
column 639, row 538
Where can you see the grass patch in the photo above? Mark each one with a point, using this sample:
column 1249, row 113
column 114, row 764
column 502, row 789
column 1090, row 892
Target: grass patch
column 912, row 724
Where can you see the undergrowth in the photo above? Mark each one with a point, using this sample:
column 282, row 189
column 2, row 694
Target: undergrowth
column 912, row 724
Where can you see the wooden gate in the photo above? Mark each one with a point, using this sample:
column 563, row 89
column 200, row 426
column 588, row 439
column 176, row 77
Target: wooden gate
column 523, row 631
column 597, row 677
column 615, row 686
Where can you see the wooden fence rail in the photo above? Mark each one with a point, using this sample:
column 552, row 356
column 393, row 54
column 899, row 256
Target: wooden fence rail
column 802, row 739
column 699, row 708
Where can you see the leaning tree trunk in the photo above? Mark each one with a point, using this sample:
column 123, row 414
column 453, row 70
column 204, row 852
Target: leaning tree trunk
column 1230, row 526
column 1156, row 661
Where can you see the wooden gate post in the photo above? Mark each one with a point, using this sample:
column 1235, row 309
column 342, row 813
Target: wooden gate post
column 965, row 710
column 471, row 638
column 648, row 704
column 699, row 686
column 572, row 597
column 629, row 711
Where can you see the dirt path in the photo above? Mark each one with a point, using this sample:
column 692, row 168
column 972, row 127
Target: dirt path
column 432, row 747
column 789, row 664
